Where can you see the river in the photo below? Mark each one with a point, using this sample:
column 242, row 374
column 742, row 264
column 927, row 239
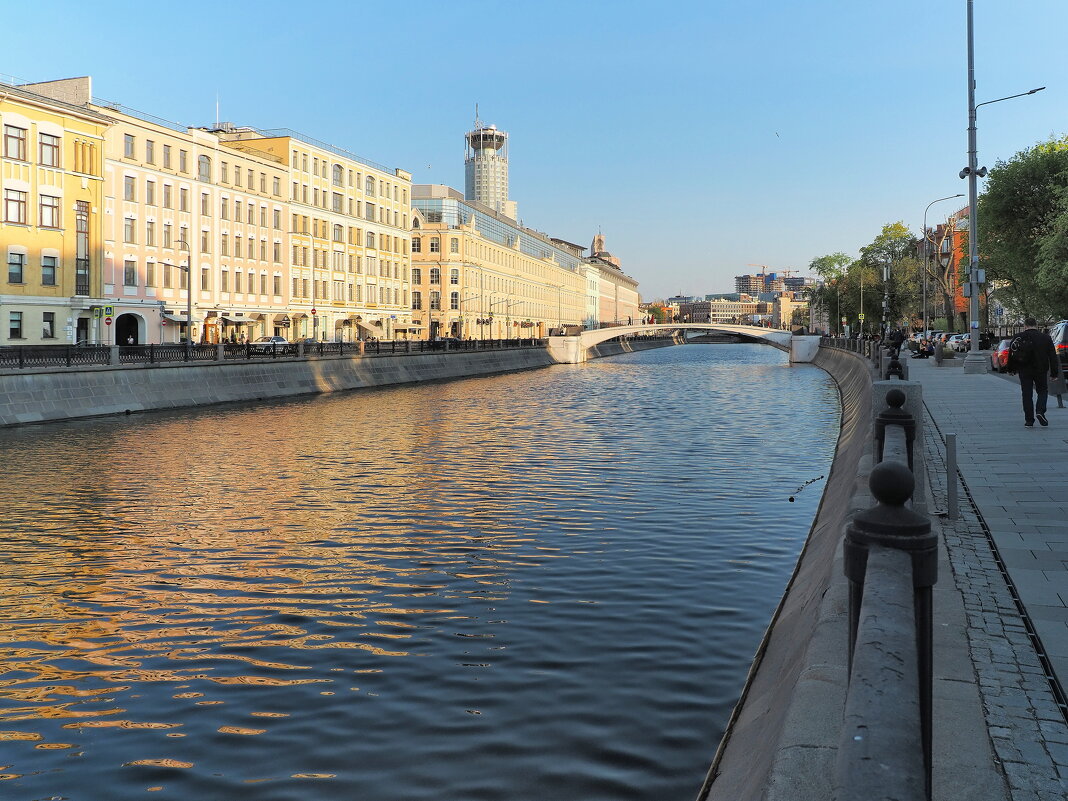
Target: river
column 541, row 586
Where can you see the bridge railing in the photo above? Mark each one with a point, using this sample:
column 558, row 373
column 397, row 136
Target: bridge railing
column 891, row 565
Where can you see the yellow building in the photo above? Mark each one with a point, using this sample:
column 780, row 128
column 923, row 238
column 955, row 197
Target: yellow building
column 349, row 234
column 51, row 170
column 478, row 274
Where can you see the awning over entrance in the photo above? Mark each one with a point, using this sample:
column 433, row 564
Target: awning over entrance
column 180, row 318
column 409, row 327
column 374, row 329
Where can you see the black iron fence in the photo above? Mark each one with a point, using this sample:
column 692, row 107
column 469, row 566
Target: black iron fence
column 36, row 356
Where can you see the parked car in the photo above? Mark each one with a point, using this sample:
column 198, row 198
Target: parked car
column 1059, row 334
column 999, row 356
column 269, row 344
column 959, row 342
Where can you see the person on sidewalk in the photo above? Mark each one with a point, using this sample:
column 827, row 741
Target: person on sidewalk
column 1033, row 357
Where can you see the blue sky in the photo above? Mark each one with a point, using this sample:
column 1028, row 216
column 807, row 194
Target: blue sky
column 700, row 137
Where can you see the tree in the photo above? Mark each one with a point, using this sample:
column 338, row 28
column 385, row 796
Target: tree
column 1023, row 230
column 894, row 247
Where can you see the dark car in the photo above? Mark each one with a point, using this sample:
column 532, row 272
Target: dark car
column 999, row 356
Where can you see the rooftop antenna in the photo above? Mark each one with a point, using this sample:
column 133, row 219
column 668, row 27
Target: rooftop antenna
column 478, row 122
column 216, row 109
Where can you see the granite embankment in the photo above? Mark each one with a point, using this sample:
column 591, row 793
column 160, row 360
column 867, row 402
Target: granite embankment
column 42, row 395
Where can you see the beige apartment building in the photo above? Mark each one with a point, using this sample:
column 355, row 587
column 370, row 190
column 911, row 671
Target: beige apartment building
column 478, row 274
column 349, row 231
column 51, row 186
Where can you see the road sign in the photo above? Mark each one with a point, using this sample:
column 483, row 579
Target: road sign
column 844, row 319
column 860, row 317
column 163, row 322
column 96, row 311
column 313, row 311
column 107, row 321
column 109, row 311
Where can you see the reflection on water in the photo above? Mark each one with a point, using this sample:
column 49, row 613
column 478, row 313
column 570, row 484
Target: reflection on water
column 538, row 586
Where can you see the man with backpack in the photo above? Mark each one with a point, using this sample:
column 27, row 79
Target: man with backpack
column 1033, row 357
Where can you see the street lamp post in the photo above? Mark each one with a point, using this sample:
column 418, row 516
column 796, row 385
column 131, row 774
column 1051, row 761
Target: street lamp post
column 927, row 254
column 188, row 296
column 974, row 362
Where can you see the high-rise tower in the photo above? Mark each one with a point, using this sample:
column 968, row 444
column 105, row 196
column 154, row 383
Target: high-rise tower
column 486, row 168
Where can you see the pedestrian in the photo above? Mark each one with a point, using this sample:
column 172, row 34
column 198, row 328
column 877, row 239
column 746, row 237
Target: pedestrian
column 1033, row 357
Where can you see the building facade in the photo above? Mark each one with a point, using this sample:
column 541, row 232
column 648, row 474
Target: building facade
column 51, row 182
column 486, row 169
column 478, row 274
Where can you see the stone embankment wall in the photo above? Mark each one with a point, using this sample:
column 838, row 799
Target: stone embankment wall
column 34, row 396
column 782, row 738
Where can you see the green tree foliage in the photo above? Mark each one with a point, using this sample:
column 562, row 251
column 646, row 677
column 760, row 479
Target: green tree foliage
column 1023, row 230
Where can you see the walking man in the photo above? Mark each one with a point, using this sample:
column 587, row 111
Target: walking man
column 1033, row 357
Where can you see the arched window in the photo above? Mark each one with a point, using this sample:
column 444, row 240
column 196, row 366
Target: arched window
column 417, row 301
column 435, row 275
column 339, row 233
column 370, row 241
column 369, row 186
column 435, row 245
column 415, row 222
column 417, row 244
column 454, row 275
column 339, row 175
column 204, row 168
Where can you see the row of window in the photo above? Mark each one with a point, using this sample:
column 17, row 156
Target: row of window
column 16, row 320
column 163, row 275
column 324, row 229
column 434, row 300
column 434, row 244
column 130, row 237
column 204, row 169
column 350, row 262
column 358, row 208
column 435, row 275
column 354, row 293
column 337, row 177
column 242, row 210
column 17, row 272
column 16, row 146
column 17, row 205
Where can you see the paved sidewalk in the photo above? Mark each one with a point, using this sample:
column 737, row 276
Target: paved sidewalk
column 1008, row 551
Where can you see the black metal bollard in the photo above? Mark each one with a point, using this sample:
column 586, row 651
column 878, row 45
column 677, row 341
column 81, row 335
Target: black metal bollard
column 891, row 525
column 894, row 414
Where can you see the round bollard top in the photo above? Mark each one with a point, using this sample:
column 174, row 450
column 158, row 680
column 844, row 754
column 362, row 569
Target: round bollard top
column 895, row 398
column 892, row 483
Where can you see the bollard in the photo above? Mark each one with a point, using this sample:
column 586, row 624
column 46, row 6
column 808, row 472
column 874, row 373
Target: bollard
column 895, row 369
column 893, row 414
column 889, row 524
column 951, row 476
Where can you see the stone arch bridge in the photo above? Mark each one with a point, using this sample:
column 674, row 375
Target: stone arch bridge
column 575, row 349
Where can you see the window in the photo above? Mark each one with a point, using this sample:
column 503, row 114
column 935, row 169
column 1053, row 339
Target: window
column 237, row 247
column 16, row 265
column 370, row 242
column 339, row 233
column 183, row 199
column 129, row 231
column 205, row 242
column 339, row 175
column 167, row 276
column 167, row 156
column 251, row 214
column 14, row 326
column 276, row 186
column 150, row 151
column 277, row 285
column 205, row 204
column 417, row 244
column 167, row 201
column 417, row 275
column 263, row 284
column 167, row 241
column 183, row 161
column 49, row 150
column 129, row 273
column 435, row 245
column 276, row 253
column 150, row 193
column 205, row 278
column 128, row 146
column 224, row 281
column 454, row 245
column 224, row 244
column 249, row 182
column 48, row 270
column 454, row 300
column 435, row 301
column 48, row 325
column 203, row 168
column 263, row 216
column 150, row 273
column 150, row 233
column 224, row 208
column 337, row 203
column 369, row 186
column 224, row 172
column 129, row 187
column 49, row 213
column 263, row 182
column 276, row 219
column 435, row 275
column 454, row 275
column 15, row 206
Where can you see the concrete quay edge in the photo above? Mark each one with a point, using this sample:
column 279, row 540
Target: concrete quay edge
column 998, row 731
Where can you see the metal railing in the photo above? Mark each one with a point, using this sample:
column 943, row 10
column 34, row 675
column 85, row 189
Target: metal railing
column 77, row 356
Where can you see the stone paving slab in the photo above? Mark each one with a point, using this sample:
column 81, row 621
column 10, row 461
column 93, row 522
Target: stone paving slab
column 1011, row 537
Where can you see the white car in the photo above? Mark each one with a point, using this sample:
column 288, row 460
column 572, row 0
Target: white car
column 959, row 342
column 269, row 344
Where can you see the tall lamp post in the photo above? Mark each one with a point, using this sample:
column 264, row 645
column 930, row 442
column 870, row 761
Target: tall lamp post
column 927, row 254
column 188, row 269
column 974, row 362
